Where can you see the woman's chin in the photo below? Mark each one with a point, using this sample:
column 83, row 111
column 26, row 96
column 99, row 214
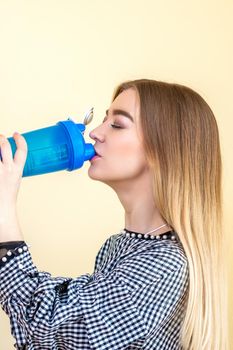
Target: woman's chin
column 93, row 175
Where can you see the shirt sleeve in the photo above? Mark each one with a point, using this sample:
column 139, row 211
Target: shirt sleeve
column 5, row 247
column 40, row 305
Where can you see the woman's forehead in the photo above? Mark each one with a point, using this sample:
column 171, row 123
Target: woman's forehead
column 127, row 100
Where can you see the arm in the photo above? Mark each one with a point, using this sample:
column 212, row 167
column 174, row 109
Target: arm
column 9, row 227
column 10, row 234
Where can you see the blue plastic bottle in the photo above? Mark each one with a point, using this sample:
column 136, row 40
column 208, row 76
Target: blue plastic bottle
column 55, row 148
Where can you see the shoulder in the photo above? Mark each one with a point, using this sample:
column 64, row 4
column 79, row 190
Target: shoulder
column 162, row 261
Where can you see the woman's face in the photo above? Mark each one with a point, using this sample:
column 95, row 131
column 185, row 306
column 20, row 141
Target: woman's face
column 118, row 142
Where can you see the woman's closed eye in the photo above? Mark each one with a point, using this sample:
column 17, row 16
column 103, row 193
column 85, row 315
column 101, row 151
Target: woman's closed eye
column 116, row 126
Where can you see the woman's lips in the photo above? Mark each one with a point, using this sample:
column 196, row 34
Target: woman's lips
column 95, row 157
column 96, row 152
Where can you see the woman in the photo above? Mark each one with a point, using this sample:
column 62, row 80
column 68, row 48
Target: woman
column 159, row 283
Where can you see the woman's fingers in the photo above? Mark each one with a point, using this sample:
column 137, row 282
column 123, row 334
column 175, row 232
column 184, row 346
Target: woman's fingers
column 11, row 170
column 21, row 151
column 6, row 152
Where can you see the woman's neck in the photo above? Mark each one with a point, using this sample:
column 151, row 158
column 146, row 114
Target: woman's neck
column 144, row 218
column 141, row 213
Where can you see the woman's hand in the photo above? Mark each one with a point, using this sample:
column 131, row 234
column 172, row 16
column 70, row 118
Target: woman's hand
column 11, row 170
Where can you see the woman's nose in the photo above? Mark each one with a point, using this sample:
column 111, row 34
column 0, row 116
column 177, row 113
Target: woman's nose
column 96, row 134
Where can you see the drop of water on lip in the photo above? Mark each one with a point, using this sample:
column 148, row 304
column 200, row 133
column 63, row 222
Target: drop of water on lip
column 88, row 116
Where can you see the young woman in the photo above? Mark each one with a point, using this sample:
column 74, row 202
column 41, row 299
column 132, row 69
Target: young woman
column 157, row 284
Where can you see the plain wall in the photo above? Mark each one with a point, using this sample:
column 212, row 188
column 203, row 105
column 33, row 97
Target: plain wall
column 60, row 57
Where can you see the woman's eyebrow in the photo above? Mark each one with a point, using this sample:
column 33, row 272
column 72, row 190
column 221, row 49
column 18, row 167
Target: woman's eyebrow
column 122, row 112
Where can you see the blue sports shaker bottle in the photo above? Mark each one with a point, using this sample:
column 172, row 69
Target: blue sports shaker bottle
column 55, row 148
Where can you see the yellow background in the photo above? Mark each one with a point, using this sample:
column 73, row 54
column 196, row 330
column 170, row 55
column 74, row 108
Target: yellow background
column 58, row 58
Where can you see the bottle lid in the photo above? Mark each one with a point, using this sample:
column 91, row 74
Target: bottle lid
column 79, row 150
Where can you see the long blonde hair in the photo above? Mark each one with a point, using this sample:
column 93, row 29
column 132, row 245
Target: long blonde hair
column 181, row 141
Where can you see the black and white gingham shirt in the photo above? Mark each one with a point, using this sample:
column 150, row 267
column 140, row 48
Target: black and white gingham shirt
column 135, row 299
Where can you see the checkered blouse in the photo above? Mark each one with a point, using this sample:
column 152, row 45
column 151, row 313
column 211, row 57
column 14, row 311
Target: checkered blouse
column 134, row 299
